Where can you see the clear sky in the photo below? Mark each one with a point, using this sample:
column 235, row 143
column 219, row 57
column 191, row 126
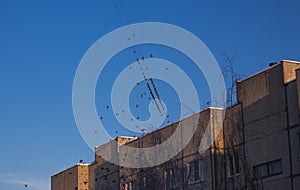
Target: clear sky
column 42, row 43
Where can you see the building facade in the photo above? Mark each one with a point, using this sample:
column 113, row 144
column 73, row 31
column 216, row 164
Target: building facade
column 258, row 146
column 74, row 178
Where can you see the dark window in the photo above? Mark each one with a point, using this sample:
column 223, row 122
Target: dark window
column 268, row 169
column 196, row 171
column 173, row 178
column 130, row 186
column 157, row 139
column 233, row 165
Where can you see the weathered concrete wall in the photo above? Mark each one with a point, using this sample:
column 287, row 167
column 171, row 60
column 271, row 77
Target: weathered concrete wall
column 65, row 179
column 271, row 100
column 289, row 68
column 270, row 104
column 155, row 177
column 92, row 168
column 76, row 177
column 295, row 129
column 83, row 177
column 292, row 100
column 233, row 148
column 262, row 127
column 298, row 86
column 107, row 175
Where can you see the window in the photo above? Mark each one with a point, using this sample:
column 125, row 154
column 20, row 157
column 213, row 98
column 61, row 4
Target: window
column 157, row 139
column 268, row 169
column 173, row 178
column 196, row 171
column 233, row 165
column 145, row 181
column 130, row 186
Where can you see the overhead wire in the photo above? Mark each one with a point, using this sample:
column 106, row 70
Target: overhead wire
column 156, row 92
column 152, row 95
column 121, row 11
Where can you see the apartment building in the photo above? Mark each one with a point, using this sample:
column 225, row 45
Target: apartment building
column 258, row 146
column 75, row 178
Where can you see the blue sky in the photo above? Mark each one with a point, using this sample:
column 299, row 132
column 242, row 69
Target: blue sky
column 42, row 43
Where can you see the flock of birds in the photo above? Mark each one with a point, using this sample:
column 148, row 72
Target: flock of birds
column 151, row 95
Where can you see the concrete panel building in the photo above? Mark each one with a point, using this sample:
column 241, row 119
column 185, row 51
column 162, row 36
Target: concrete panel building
column 258, row 146
column 107, row 174
column 73, row 178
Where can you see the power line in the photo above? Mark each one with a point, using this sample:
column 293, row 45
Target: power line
column 157, row 94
